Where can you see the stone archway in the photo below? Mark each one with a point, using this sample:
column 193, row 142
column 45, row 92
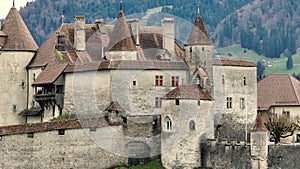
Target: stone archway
column 138, row 152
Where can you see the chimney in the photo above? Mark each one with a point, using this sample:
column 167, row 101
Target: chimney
column 101, row 25
column 168, row 34
column 134, row 25
column 79, row 33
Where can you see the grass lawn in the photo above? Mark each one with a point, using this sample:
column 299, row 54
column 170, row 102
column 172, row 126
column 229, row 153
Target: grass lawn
column 154, row 164
column 274, row 66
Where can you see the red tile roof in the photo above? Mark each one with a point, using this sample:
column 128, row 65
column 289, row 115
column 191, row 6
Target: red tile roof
column 278, row 90
column 259, row 125
column 188, row 92
column 198, row 34
column 55, row 125
column 50, row 74
column 127, row 65
column 18, row 35
column 227, row 62
column 121, row 38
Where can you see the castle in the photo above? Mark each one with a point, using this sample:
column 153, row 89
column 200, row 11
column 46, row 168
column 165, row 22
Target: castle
column 166, row 98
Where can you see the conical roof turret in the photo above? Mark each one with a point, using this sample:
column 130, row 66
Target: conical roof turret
column 121, row 39
column 198, row 34
column 18, row 36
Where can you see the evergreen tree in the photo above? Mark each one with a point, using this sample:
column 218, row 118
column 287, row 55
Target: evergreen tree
column 289, row 63
column 260, row 70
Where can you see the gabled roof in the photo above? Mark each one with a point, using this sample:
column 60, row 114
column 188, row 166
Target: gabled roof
column 121, row 39
column 188, row 92
column 198, row 34
column 115, row 106
column 278, row 90
column 18, row 35
column 227, row 62
column 50, row 73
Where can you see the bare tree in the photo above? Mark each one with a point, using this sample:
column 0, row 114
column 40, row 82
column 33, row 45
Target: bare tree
column 281, row 127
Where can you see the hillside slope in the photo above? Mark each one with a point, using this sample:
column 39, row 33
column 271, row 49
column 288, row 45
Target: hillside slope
column 267, row 26
column 44, row 16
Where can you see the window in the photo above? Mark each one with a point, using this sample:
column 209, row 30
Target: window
column 203, row 48
column 242, row 103
column 298, row 138
column 198, row 102
column 286, row 113
column 175, row 81
column 176, row 102
column 61, row 132
column 168, row 123
column 33, row 77
column 244, row 81
column 158, row 80
column 191, row 49
column 134, row 83
column 223, row 79
column 14, row 107
column 229, row 102
column 192, row 125
column 93, row 129
column 30, row 135
column 157, row 102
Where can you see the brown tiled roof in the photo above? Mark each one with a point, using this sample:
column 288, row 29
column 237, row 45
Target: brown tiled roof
column 150, row 44
column 259, row 125
column 56, row 125
column 121, row 39
column 115, row 106
column 227, row 62
column 127, row 65
column 278, row 90
column 188, row 92
column 50, row 73
column 19, row 37
column 198, row 34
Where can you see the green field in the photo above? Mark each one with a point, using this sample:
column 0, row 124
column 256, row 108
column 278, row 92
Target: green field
column 151, row 165
column 273, row 66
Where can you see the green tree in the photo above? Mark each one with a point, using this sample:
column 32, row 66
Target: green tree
column 260, row 70
column 281, row 127
column 289, row 63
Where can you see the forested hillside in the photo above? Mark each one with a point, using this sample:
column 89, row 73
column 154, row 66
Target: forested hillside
column 44, row 16
column 269, row 27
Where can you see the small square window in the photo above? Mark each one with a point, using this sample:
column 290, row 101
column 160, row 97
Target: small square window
column 93, row 129
column 61, row 132
column 30, row 135
column 176, row 102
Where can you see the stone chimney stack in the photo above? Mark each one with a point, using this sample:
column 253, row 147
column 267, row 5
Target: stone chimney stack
column 101, row 26
column 135, row 25
column 79, row 33
column 168, row 34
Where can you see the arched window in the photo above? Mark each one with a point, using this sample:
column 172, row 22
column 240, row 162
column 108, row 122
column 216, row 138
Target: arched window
column 192, row 125
column 168, row 123
column 245, row 82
